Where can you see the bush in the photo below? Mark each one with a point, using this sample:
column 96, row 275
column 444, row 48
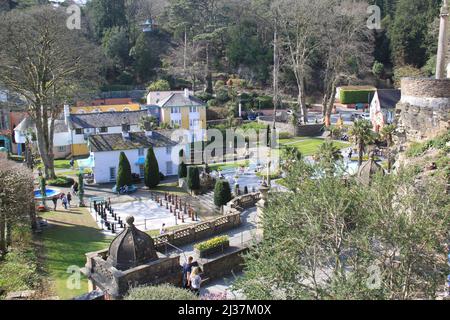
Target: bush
column 193, row 178
column 222, row 95
column 219, row 84
column 124, row 177
column 355, row 96
column 204, row 96
column 285, row 135
column 161, row 292
column 213, row 103
column 406, row 71
column 222, row 193
column 212, row 243
column 182, row 170
column 417, row 149
column 378, row 69
column 264, row 102
column 160, row 85
column 61, row 181
column 18, row 271
column 151, row 170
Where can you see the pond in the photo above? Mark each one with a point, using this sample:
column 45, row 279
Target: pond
column 49, row 193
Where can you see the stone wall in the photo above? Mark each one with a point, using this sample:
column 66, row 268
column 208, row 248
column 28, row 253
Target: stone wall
column 309, row 130
column 241, row 203
column 424, row 109
column 197, row 232
column 232, row 261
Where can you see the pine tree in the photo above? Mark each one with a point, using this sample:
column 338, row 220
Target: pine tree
column 124, row 172
column 222, row 193
column 151, row 170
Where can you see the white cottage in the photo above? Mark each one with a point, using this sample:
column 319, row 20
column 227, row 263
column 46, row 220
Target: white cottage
column 106, row 148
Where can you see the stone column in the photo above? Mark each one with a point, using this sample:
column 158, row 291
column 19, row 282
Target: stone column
column 441, row 64
column 261, row 205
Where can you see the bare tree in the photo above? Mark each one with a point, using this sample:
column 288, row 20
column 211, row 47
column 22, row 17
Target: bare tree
column 46, row 63
column 299, row 21
column 346, row 46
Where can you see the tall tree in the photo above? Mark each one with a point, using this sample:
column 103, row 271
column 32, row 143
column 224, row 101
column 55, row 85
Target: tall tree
column 151, row 170
column 46, row 63
column 106, row 14
column 124, row 177
column 362, row 135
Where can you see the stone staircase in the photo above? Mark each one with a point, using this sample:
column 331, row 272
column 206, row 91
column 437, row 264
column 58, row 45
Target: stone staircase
column 206, row 201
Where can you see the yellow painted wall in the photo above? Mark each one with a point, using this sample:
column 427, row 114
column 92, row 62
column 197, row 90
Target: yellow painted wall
column 166, row 115
column 185, row 118
column 203, row 117
column 116, row 108
column 80, row 149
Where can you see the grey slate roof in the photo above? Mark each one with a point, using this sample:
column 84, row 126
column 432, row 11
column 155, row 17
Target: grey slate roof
column 178, row 99
column 389, row 98
column 137, row 140
column 106, row 119
column 28, row 123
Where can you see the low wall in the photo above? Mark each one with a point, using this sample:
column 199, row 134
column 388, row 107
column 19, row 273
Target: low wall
column 241, row 203
column 197, row 232
column 232, row 261
column 308, row 130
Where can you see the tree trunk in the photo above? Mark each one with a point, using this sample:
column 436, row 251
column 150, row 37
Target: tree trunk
column 301, row 100
column 360, row 153
column 276, row 70
column 2, row 234
column 329, row 106
column 32, row 214
column 43, row 147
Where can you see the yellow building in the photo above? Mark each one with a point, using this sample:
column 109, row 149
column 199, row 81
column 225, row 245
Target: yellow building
column 105, row 108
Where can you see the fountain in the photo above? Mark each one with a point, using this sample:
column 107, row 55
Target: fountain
column 49, row 194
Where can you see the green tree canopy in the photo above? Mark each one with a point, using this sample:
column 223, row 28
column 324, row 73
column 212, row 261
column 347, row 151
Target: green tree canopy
column 151, row 170
column 222, row 193
column 124, row 177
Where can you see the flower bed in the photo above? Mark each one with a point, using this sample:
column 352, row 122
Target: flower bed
column 212, row 246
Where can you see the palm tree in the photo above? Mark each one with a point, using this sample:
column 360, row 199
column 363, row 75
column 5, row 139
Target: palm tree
column 362, row 135
column 387, row 133
column 327, row 155
column 291, row 156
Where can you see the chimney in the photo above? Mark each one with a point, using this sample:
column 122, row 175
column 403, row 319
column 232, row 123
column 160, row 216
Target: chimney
column 66, row 113
column 186, row 93
column 125, row 129
column 148, row 128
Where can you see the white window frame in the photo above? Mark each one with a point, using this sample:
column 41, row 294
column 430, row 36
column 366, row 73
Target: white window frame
column 169, row 168
column 112, row 177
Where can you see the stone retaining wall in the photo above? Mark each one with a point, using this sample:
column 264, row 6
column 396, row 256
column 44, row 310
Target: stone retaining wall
column 309, row 130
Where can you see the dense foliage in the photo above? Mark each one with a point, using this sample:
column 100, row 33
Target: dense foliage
column 161, row 292
column 124, row 177
column 151, row 169
column 222, row 193
column 212, row 243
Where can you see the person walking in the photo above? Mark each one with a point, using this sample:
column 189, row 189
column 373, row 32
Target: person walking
column 195, row 280
column 64, row 201
column 55, row 203
column 69, row 198
column 75, row 188
column 187, row 269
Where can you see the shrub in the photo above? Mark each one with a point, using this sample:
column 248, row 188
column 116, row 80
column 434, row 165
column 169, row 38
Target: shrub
column 182, row 170
column 378, row 69
column 285, row 135
column 193, row 178
column 355, row 96
column 160, row 85
column 18, row 271
column 212, row 243
column 213, row 103
column 264, row 102
column 219, row 84
column 151, row 170
column 406, row 71
column 222, row 95
column 61, row 181
column 222, row 193
column 124, row 177
column 161, row 292
column 204, row 96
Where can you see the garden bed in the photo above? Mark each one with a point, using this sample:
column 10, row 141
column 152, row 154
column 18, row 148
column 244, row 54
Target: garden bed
column 61, row 181
column 212, row 246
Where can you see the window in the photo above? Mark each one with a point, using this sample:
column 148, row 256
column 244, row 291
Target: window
column 193, row 109
column 141, row 171
column 141, row 152
column 79, row 131
column 169, row 150
column 175, row 110
column 169, row 168
column 112, row 174
column 175, row 123
column 103, row 129
column 62, row 149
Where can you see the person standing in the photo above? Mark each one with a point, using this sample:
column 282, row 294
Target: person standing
column 55, row 203
column 64, row 201
column 187, row 269
column 69, row 198
column 195, row 280
column 163, row 229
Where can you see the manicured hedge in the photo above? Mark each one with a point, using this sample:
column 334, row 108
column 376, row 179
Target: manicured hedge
column 61, row 181
column 212, row 243
column 355, row 96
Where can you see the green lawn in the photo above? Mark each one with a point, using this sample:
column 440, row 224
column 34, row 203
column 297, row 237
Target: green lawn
column 71, row 235
column 60, row 164
column 309, row 146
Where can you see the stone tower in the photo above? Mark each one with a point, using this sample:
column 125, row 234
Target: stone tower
column 443, row 57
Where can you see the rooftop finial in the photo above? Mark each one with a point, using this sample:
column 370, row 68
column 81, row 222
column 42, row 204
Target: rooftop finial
column 130, row 221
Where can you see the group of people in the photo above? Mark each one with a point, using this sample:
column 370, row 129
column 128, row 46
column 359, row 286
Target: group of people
column 66, row 200
column 191, row 276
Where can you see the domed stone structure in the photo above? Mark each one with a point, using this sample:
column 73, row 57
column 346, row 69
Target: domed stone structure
column 368, row 169
column 131, row 248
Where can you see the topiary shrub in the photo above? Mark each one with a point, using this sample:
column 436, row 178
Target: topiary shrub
column 161, row 292
column 151, row 170
column 124, row 177
column 212, row 243
column 222, row 193
column 285, row 135
column 355, row 96
column 182, row 170
column 61, row 181
column 193, row 178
